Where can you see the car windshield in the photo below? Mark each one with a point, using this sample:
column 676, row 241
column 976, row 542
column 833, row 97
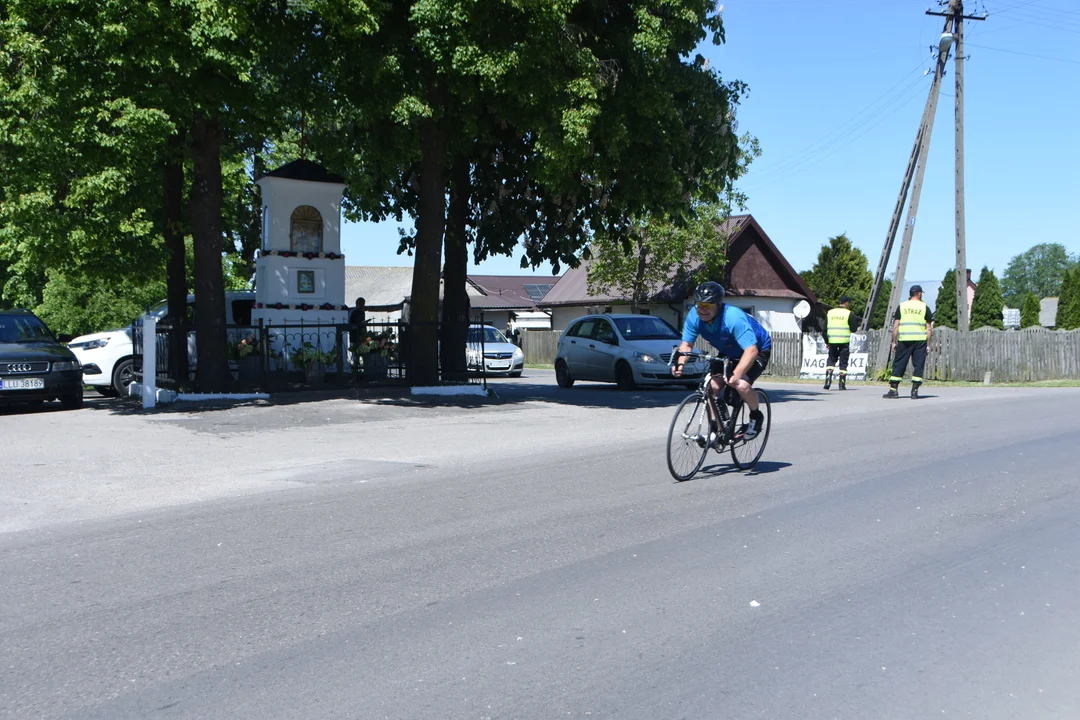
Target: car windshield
column 489, row 334
column 645, row 327
column 22, row 328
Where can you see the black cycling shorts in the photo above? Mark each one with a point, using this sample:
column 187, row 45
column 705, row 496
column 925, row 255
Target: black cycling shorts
column 753, row 373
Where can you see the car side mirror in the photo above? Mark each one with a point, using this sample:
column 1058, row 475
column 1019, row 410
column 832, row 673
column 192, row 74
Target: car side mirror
column 65, row 338
column 612, row 341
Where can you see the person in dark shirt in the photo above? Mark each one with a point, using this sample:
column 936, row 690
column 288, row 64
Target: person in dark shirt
column 358, row 323
column 913, row 325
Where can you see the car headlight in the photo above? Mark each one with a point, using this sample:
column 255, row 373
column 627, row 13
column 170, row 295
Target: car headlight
column 646, row 357
column 65, row 365
column 91, row 344
column 518, row 353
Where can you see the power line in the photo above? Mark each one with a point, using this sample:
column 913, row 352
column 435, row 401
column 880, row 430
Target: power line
column 1018, row 52
column 855, row 122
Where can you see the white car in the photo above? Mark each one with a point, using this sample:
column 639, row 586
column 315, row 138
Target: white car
column 500, row 356
column 106, row 357
column 106, row 360
column 628, row 350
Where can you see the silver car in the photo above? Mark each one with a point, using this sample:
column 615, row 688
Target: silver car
column 489, row 350
column 628, row 350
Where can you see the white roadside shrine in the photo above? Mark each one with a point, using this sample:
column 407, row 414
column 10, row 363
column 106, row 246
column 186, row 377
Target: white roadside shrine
column 300, row 270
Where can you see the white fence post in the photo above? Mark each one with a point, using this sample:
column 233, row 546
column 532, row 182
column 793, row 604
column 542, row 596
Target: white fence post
column 149, row 363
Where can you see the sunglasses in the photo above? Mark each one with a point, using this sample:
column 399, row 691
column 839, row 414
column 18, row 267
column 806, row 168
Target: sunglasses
column 706, row 306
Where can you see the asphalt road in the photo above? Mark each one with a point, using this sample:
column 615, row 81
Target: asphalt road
column 532, row 558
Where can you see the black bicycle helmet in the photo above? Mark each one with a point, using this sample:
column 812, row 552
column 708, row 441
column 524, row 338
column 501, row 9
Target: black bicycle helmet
column 709, row 292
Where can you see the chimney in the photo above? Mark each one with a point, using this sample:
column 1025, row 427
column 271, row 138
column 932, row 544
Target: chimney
column 969, row 276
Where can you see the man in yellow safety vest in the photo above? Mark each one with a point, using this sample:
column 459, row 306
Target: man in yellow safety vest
column 841, row 323
column 913, row 324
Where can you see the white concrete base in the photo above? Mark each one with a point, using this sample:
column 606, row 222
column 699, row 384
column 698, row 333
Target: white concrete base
column 223, row 396
column 163, row 396
column 453, row 390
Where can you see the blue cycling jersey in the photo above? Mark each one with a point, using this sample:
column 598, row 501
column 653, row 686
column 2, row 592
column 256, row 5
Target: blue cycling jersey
column 731, row 332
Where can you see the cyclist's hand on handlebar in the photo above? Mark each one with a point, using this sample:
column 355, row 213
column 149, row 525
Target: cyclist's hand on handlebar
column 676, row 366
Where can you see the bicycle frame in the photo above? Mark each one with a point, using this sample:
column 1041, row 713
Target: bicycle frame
column 725, row 421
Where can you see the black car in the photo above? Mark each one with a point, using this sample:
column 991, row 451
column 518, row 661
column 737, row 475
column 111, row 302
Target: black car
column 34, row 366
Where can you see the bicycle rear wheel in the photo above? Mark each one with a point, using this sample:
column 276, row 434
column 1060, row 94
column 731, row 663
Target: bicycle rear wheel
column 746, row 453
column 688, row 438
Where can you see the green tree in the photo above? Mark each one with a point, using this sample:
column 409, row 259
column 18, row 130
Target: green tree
column 572, row 118
column 842, row 269
column 881, row 307
column 661, row 254
column 945, row 313
column 1038, row 270
column 988, row 303
column 1029, row 313
column 123, row 156
column 1068, row 310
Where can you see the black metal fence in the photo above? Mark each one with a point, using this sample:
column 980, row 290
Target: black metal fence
column 266, row 357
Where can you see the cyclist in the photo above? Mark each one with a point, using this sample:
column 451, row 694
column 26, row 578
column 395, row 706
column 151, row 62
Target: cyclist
column 734, row 334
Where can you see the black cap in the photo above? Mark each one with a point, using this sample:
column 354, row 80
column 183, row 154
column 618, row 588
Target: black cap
column 845, row 299
column 915, row 290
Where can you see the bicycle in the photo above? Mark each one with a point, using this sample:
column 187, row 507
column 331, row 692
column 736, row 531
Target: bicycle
column 688, row 437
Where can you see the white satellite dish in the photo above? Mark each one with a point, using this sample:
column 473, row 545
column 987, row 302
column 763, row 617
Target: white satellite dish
column 801, row 309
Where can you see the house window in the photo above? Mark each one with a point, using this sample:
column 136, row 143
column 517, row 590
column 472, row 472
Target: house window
column 306, row 230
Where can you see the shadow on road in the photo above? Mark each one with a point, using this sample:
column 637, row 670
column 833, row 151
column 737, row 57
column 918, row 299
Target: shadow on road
column 534, row 386
column 720, row 469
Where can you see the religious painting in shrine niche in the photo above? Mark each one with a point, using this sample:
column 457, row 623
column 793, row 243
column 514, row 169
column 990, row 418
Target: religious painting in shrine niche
column 306, row 230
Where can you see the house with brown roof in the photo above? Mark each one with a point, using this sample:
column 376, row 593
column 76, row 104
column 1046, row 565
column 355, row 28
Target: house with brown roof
column 757, row 277
column 510, row 300
column 497, row 300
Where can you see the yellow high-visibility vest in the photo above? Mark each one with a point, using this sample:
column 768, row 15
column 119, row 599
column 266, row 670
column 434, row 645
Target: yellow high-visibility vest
column 912, row 321
column 838, row 331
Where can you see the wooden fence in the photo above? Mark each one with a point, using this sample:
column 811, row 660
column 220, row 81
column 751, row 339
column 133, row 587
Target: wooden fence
column 1028, row 355
column 1025, row 355
column 540, row 346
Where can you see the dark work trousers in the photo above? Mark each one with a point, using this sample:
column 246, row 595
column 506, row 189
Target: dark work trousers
column 841, row 352
column 914, row 350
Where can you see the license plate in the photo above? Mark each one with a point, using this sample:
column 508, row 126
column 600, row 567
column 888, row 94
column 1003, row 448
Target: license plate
column 22, row 384
column 499, row 365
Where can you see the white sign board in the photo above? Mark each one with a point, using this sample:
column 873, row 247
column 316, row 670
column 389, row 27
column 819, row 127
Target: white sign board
column 815, row 357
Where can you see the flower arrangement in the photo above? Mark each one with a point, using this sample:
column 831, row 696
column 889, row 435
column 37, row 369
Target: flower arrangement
column 307, row 255
column 250, row 345
column 309, row 356
column 381, row 343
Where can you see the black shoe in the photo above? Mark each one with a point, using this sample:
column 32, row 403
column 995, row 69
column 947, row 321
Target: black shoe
column 843, row 383
column 892, row 394
column 914, row 393
column 828, row 382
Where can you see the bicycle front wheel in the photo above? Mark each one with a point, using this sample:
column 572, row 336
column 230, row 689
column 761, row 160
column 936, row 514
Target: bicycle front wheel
column 745, row 453
column 688, row 438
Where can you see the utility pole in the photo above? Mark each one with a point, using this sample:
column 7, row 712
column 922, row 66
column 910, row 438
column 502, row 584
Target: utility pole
column 916, row 167
column 913, row 177
column 956, row 16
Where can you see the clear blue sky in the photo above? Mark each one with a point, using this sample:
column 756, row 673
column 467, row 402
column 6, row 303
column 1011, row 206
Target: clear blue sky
column 836, row 92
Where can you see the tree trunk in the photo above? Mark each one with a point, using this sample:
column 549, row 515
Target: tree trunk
column 455, row 308
column 252, row 240
column 639, row 291
column 212, row 360
column 176, row 265
column 430, row 224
